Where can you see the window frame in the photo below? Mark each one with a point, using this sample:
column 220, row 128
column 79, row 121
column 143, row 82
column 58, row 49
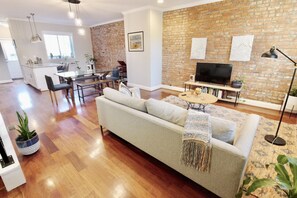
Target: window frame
column 59, row 34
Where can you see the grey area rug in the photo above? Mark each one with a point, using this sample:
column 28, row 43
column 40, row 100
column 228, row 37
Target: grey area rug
column 262, row 152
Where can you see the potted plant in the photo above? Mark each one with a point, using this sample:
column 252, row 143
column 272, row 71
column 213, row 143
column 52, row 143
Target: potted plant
column 237, row 82
column 27, row 140
column 286, row 178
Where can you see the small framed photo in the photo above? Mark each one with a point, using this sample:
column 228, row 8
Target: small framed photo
column 135, row 42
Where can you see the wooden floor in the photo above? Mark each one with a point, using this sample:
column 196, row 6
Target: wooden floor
column 76, row 161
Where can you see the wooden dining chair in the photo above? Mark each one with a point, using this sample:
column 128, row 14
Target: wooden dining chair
column 56, row 87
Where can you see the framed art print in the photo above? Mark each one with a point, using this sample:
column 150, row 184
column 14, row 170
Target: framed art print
column 135, row 42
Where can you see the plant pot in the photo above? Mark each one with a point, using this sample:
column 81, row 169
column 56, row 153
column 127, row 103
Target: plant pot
column 236, row 84
column 28, row 147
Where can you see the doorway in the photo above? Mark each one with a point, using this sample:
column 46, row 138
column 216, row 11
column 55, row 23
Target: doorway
column 11, row 58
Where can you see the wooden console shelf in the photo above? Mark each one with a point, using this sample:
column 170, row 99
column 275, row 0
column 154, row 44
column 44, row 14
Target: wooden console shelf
column 215, row 89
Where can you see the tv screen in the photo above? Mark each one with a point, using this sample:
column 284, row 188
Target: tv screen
column 213, row 73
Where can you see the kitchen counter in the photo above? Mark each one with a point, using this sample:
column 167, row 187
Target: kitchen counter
column 42, row 65
column 34, row 74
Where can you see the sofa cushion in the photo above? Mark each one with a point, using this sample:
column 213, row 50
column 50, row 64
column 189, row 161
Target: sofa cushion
column 123, row 99
column 166, row 111
column 124, row 89
column 222, row 129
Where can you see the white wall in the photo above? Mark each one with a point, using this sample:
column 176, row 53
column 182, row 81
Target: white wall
column 4, row 74
column 4, row 33
column 144, row 69
column 21, row 33
column 156, row 21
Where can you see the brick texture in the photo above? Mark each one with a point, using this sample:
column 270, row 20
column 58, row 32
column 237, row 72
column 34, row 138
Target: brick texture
column 108, row 45
column 272, row 22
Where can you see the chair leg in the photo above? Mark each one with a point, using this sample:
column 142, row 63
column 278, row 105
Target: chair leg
column 55, row 98
column 50, row 93
column 67, row 93
column 72, row 94
column 101, row 128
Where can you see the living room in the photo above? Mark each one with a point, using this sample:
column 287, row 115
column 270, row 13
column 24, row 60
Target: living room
column 75, row 159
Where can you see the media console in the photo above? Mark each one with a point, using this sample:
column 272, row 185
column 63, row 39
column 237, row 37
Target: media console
column 217, row 90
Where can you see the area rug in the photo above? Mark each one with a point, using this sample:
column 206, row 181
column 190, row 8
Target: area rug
column 262, row 152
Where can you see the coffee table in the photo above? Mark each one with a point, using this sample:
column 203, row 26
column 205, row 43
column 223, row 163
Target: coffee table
column 202, row 99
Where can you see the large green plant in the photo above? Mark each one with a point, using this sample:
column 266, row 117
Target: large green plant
column 285, row 180
column 23, row 127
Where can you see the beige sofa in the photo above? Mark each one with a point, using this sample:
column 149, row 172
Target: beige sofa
column 127, row 118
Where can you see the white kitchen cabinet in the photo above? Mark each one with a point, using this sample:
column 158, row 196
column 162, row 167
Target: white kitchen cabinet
column 34, row 75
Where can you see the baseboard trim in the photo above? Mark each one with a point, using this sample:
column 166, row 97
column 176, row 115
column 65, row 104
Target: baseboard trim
column 5, row 81
column 255, row 103
column 145, row 87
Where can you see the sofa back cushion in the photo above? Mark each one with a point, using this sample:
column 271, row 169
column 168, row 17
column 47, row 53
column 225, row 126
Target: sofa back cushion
column 123, row 99
column 166, row 111
column 223, row 130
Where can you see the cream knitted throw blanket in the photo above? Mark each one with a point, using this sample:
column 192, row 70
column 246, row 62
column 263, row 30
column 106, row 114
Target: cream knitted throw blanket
column 196, row 147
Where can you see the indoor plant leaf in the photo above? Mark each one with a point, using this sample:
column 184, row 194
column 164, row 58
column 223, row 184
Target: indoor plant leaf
column 260, row 183
column 282, row 177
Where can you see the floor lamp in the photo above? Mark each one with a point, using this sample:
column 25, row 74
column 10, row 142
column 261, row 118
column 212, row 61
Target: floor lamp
column 274, row 139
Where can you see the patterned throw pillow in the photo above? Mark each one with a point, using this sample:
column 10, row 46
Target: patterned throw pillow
column 135, row 91
column 124, row 89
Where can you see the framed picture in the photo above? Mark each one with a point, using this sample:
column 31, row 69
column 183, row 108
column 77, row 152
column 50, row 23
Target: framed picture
column 135, row 42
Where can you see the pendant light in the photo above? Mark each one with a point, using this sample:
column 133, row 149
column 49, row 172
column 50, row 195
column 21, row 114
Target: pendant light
column 71, row 14
column 36, row 38
column 32, row 37
column 78, row 21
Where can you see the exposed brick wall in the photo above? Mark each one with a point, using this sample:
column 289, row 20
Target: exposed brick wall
column 272, row 22
column 108, row 44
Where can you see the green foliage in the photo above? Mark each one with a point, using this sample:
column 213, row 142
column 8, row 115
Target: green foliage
column 293, row 92
column 90, row 59
column 23, row 127
column 285, row 180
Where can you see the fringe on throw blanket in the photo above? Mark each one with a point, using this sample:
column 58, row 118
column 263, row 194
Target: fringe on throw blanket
column 196, row 147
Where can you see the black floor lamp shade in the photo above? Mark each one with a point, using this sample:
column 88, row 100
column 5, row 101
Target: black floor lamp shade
column 274, row 139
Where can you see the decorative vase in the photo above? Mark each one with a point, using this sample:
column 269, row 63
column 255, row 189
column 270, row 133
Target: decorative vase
column 28, row 147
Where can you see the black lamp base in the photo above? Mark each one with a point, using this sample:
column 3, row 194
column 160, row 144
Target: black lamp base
column 275, row 140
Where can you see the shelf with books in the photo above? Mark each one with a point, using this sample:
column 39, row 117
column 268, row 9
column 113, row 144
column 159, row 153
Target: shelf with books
column 220, row 91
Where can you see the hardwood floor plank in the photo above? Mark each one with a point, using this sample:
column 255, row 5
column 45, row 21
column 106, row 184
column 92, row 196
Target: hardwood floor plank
column 47, row 142
column 86, row 122
column 75, row 161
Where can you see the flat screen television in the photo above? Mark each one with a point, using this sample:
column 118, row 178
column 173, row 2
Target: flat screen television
column 213, row 73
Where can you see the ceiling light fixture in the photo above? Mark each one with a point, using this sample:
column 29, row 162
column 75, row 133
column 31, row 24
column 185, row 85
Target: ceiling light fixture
column 81, row 31
column 36, row 38
column 160, row 1
column 71, row 14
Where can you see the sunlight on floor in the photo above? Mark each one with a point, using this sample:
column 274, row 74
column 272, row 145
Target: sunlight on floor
column 25, row 100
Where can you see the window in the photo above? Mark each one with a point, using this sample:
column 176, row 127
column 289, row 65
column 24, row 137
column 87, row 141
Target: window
column 58, row 46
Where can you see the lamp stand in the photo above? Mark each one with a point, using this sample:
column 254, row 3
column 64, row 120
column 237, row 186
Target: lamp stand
column 274, row 139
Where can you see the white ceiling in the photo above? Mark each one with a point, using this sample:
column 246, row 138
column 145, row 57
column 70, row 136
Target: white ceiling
column 92, row 11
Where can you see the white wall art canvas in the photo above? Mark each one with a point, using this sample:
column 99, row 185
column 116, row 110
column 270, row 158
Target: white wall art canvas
column 198, row 49
column 241, row 48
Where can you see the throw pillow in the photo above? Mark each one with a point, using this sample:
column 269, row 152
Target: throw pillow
column 123, row 99
column 124, row 89
column 166, row 111
column 135, row 92
column 222, row 129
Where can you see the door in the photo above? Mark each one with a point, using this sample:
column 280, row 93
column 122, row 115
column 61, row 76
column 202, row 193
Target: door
column 11, row 58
